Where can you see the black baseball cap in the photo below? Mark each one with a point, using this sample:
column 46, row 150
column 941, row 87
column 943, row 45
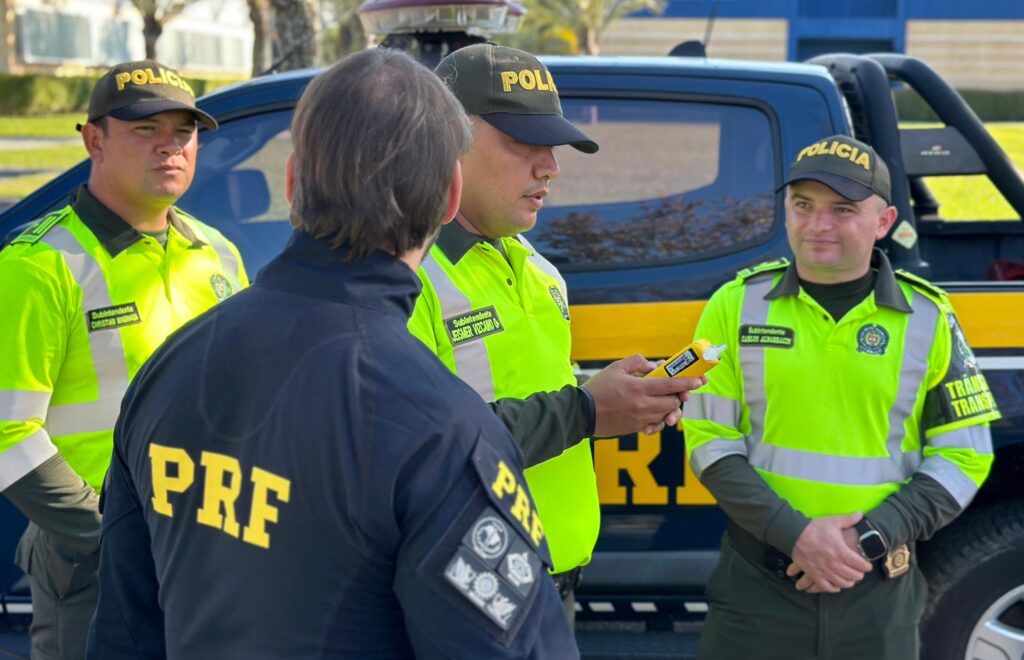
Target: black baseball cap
column 847, row 166
column 136, row 90
column 513, row 92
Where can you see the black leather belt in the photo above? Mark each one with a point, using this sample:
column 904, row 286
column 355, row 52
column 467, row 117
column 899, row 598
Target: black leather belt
column 758, row 552
column 567, row 582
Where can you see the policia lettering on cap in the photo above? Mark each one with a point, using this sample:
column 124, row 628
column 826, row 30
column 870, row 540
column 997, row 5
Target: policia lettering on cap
column 86, row 300
column 496, row 312
column 837, row 436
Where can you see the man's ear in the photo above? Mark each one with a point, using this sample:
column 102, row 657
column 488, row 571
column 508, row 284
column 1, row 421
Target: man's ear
column 92, row 140
column 885, row 222
column 289, row 178
column 454, row 195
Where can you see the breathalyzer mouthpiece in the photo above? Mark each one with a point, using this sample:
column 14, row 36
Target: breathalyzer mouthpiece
column 714, row 352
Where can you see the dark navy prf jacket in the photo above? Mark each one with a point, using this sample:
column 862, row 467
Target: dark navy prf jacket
column 298, row 477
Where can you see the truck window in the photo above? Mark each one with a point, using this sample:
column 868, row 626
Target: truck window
column 239, row 184
column 673, row 181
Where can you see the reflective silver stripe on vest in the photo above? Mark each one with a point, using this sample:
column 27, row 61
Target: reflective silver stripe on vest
column 105, row 346
column 917, row 344
column 713, row 408
column 755, row 312
column 813, row 466
column 23, row 405
column 24, row 457
column 544, row 265
column 227, row 258
column 976, row 438
column 472, row 364
column 951, row 477
column 715, row 450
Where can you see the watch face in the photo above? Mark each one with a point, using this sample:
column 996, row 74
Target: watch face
column 872, row 545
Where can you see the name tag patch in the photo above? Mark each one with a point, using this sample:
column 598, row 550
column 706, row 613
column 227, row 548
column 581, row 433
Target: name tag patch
column 472, row 325
column 117, row 316
column 775, row 336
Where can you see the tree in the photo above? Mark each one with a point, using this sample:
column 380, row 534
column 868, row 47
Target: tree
column 347, row 34
column 262, row 53
column 590, row 18
column 294, row 34
column 155, row 15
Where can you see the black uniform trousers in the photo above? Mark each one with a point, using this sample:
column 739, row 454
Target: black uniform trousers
column 756, row 615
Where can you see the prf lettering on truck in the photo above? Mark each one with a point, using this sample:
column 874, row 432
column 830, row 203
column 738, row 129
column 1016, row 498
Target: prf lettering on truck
column 174, row 472
column 618, row 463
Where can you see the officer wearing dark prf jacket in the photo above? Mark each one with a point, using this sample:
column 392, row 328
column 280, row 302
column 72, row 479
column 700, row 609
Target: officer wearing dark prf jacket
column 850, row 422
column 333, row 491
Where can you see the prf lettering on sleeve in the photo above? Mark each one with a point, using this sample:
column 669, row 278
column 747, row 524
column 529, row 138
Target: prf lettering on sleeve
column 147, row 77
column 528, row 79
column 174, row 471
column 505, row 483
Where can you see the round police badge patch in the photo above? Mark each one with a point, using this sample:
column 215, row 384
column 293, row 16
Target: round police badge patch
column 556, row 295
column 872, row 339
column 221, row 286
column 490, row 538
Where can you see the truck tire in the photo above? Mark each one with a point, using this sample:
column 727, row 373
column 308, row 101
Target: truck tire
column 975, row 571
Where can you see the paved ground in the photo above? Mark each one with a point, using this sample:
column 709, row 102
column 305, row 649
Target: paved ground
column 11, row 143
column 596, row 641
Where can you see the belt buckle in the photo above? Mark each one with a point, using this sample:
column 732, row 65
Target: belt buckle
column 897, row 562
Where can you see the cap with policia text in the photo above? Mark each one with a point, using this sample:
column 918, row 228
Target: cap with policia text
column 513, row 92
column 136, row 90
column 847, row 166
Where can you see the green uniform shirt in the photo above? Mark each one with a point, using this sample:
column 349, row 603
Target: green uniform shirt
column 86, row 300
column 502, row 325
column 837, row 416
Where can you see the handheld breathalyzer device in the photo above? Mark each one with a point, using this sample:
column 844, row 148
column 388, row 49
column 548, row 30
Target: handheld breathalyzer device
column 691, row 362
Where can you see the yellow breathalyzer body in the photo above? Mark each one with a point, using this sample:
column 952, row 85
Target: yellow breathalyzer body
column 691, row 362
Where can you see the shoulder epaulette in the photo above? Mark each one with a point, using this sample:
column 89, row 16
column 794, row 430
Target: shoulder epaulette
column 919, row 281
column 39, row 229
column 765, row 267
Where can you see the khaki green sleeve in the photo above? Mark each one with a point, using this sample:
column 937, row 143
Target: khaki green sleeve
column 547, row 423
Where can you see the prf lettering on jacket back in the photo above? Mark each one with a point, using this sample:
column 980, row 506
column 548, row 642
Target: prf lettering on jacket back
column 174, row 471
column 505, row 483
column 836, row 148
column 147, row 77
column 529, row 80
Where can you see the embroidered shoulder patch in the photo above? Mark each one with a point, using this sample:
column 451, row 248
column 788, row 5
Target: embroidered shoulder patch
column 507, row 492
column 921, row 282
column 39, row 229
column 964, row 392
column 474, row 324
column 765, row 267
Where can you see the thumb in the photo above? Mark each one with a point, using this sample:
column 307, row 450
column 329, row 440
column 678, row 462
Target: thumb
column 635, row 363
column 850, row 519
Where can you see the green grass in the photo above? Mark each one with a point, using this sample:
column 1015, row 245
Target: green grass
column 52, row 126
column 50, row 158
column 974, row 197
column 20, row 186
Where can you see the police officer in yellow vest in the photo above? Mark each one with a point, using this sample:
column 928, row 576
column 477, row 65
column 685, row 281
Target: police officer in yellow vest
column 849, row 421
column 496, row 312
column 88, row 293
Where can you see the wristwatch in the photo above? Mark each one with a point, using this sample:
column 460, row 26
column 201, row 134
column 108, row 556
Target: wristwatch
column 870, row 540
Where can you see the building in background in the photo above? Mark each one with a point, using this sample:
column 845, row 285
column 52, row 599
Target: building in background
column 210, row 37
column 975, row 44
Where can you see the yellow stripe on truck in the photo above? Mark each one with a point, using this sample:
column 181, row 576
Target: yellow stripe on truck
column 657, row 330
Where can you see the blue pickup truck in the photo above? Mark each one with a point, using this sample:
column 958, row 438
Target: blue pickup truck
column 680, row 197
